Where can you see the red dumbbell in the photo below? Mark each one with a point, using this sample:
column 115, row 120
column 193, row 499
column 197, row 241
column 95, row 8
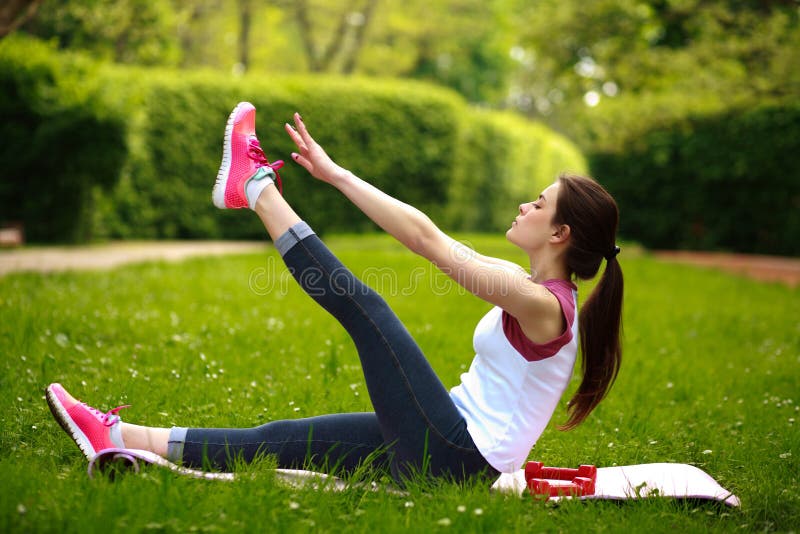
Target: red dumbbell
column 548, row 482
column 540, row 488
column 538, row 470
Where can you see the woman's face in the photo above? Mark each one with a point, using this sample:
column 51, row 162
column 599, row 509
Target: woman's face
column 533, row 227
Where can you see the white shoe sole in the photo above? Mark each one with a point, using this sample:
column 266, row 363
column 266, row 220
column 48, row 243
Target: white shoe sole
column 69, row 426
column 218, row 193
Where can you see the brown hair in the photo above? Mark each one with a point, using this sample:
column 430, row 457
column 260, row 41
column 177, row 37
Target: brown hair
column 592, row 216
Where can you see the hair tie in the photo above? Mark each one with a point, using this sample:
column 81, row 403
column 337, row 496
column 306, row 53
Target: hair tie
column 612, row 254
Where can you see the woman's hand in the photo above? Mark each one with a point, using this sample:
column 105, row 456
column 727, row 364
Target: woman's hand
column 312, row 156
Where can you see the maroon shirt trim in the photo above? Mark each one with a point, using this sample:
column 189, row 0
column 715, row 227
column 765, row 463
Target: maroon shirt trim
column 531, row 351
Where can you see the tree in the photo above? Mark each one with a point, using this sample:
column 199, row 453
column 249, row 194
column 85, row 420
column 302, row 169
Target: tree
column 245, row 15
column 572, row 53
column 126, row 31
column 194, row 34
column 462, row 44
column 345, row 39
column 361, row 21
column 15, row 13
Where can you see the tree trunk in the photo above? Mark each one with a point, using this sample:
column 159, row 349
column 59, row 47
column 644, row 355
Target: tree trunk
column 301, row 14
column 358, row 39
column 335, row 44
column 189, row 36
column 15, row 13
column 245, row 15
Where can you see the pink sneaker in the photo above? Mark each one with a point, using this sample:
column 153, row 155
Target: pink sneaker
column 88, row 427
column 242, row 160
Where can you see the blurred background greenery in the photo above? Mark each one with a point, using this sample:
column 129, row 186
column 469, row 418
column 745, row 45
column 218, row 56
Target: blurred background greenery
column 687, row 110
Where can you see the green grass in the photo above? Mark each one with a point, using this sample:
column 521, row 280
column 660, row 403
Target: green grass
column 711, row 377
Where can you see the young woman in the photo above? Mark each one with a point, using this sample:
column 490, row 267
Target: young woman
column 526, row 345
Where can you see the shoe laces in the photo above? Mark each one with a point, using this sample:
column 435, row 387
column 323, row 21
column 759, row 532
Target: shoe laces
column 255, row 152
column 109, row 418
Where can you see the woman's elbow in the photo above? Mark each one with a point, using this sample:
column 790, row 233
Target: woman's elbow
column 417, row 243
column 424, row 234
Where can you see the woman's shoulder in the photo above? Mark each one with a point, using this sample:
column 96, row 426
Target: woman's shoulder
column 561, row 289
column 541, row 335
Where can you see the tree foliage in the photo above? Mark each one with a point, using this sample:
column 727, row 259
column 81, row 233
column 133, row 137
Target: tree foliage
column 550, row 59
column 127, row 31
column 462, row 44
column 545, row 58
column 611, row 74
column 570, row 51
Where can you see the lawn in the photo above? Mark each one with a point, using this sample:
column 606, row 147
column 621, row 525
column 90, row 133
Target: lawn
column 711, row 377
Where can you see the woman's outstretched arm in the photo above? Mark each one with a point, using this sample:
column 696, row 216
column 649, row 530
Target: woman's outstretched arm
column 406, row 223
column 495, row 281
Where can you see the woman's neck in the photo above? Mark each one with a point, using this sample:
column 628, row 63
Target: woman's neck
column 545, row 268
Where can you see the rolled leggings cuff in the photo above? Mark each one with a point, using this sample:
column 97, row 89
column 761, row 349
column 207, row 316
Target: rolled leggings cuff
column 177, row 438
column 292, row 236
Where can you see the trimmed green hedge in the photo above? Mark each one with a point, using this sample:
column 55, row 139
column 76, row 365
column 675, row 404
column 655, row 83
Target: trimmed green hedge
column 504, row 160
column 151, row 155
column 100, row 151
column 58, row 141
column 723, row 180
column 399, row 139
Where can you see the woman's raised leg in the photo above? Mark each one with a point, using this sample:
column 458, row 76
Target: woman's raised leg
column 417, row 418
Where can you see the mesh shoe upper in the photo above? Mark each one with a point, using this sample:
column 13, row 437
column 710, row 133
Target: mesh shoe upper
column 88, row 427
column 242, row 156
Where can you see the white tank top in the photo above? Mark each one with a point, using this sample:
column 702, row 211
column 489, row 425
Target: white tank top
column 513, row 385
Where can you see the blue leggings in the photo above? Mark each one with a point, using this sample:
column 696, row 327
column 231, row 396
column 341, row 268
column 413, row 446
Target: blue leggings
column 415, row 427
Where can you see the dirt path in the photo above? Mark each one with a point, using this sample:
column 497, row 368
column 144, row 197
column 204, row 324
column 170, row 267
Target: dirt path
column 764, row 268
column 50, row 259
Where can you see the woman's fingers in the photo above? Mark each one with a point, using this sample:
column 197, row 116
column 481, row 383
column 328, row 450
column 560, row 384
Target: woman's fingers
column 300, row 135
column 301, row 128
column 301, row 146
column 301, row 157
column 295, row 136
column 301, row 160
column 310, row 155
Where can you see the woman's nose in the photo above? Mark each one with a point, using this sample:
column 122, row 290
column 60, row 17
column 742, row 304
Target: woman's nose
column 521, row 209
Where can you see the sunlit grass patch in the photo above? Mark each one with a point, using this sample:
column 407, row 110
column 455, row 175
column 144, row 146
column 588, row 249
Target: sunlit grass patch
column 710, row 377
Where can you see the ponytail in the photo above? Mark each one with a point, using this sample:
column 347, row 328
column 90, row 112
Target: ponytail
column 592, row 215
column 600, row 326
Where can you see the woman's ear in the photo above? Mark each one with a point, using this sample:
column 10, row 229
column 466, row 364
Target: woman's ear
column 561, row 233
